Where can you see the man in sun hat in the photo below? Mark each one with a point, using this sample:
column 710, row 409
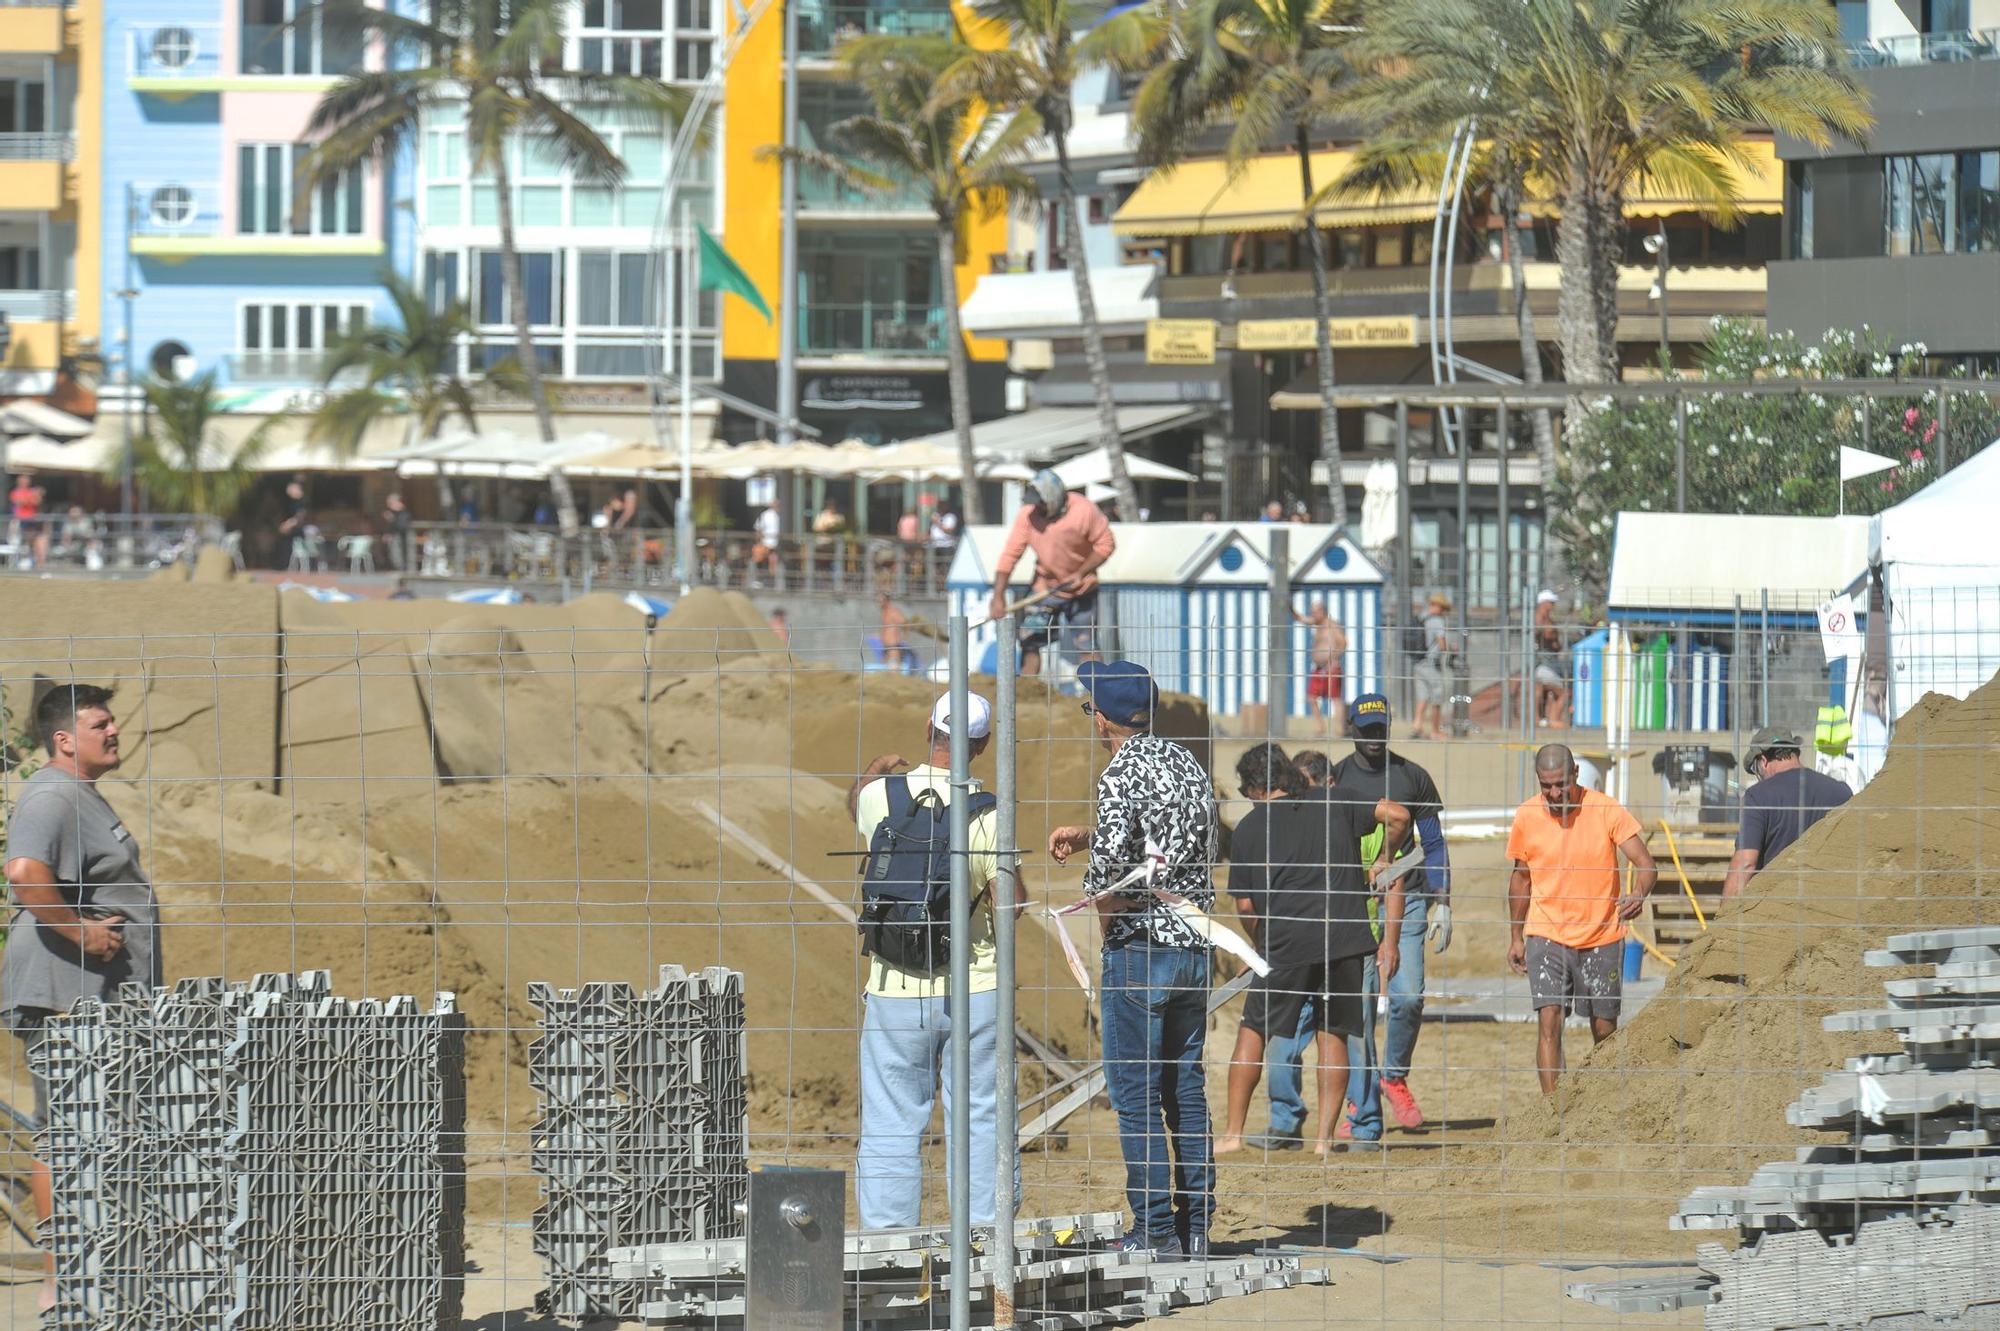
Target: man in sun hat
column 1156, row 814
column 907, row 1014
column 1551, row 695
column 1071, row 539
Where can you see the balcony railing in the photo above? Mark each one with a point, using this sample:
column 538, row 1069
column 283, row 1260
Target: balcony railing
column 889, row 328
column 38, row 306
column 175, row 50
column 823, row 26
column 822, row 191
column 1927, row 48
column 36, row 147
column 274, row 367
column 176, row 208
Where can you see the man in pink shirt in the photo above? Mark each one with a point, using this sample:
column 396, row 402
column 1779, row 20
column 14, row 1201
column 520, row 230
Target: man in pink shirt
column 1071, row 540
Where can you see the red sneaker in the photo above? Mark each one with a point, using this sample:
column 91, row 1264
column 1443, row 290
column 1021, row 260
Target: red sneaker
column 1402, row 1103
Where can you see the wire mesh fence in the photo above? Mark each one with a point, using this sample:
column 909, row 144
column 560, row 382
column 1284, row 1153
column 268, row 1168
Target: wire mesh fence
column 535, row 809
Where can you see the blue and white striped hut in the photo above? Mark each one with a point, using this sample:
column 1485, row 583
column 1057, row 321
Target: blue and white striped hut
column 1188, row 600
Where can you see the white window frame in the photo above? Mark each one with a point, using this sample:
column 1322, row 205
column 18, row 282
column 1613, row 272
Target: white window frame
column 353, row 180
column 348, row 314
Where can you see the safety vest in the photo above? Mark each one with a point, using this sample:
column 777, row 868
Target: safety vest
column 1831, row 733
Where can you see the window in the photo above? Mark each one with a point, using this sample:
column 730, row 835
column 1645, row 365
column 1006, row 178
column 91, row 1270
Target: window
column 1942, row 203
column 172, row 206
column 292, row 335
column 20, row 268
column 1799, row 217
column 173, row 48
column 24, row 106
column 540, row 281
column 294, row 37
column 440, row 280
column 267, row 176
column 617, row 290
column 623, row 37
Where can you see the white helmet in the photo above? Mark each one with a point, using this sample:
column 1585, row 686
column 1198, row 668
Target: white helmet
column 1046, row 489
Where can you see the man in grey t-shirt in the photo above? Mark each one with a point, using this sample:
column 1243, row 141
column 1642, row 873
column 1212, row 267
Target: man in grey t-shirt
column 84, row 920
column 1433, row 670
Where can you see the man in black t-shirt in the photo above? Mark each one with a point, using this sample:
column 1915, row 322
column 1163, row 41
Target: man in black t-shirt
column 1299, row 883
column 1787, row 799
column 1372, row 771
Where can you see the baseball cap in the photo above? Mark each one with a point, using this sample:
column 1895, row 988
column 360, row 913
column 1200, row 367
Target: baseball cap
column 1547, row 597
column 1767, row 738
column 1122, row 691
column 1370, row 710
column 978, row 716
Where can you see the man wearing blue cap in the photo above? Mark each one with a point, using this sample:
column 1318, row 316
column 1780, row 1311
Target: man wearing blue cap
column 1155, row 817
column 1373, row 773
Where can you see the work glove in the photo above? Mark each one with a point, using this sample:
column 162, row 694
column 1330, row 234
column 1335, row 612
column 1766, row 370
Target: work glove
column 1437, row 926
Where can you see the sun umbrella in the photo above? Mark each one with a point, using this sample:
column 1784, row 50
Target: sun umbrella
column 331, row 594
column 649, row 605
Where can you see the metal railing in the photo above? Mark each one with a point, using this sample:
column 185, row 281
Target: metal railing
column 643, row 558
column 822, row 191
column 250, row 367
column 40, row 147
column 1926, row 48
column 823, row 27
column 38, row 306
column 174, row 50
column 176, row 208
column 97, row 542
column 892, row 328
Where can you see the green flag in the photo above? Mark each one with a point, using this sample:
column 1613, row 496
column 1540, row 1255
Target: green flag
column 718, row 272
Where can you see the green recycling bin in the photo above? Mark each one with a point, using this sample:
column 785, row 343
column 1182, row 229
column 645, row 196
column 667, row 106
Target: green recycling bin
column 1651, row 666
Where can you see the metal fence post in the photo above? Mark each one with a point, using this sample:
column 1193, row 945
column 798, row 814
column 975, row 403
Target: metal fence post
column 1503, row 575
column 1764, row 656
column 1004, row 892
column 1944, row 432
column 1278, row 634
column 958, row 1148
column 1680, row 453
column 1402, row 616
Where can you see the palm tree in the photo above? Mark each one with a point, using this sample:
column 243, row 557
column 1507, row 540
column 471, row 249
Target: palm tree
column 501, row 61
column 184, row 467
column 962, row 155
column 1036, row 71
column 1590, row 100
column 1275, row 70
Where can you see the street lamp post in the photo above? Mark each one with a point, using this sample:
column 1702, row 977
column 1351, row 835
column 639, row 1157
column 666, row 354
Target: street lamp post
column 1656, row 245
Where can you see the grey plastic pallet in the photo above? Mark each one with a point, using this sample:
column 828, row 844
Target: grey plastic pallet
column 1924, row 1025
column 1886, row 1095
column 1890, row 1269
column 1647, row 1294
column 1914, row 949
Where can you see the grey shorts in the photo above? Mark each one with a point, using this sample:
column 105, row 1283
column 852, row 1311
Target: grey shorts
column 1588, row 981
column 1075, row 621
column 26, row 1023
column 1547, row 675
column 1432, row 686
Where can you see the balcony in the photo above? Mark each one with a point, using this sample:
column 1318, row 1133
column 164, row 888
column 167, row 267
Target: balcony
column 174, row 59
column 274, row 367
column 37, row 306
column 824, row 26
column 31, row 170
column 32, row 27
column 1928, row 48
column 177, row 219
column 823, row 192
column 888, row 328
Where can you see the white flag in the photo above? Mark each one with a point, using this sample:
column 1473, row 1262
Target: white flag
column 1857, row 462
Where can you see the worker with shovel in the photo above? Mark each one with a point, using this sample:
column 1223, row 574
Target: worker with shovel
column 1071, row 540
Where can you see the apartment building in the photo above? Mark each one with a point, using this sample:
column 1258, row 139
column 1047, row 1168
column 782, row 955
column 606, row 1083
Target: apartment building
column 49, row 216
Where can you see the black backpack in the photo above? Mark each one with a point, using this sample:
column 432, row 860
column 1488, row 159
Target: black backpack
column 1415, row 645
column 906, row 886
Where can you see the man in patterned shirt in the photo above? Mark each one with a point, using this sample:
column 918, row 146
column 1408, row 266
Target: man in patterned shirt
column 1153, row 801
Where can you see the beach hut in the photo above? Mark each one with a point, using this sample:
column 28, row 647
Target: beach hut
column 1189, row 601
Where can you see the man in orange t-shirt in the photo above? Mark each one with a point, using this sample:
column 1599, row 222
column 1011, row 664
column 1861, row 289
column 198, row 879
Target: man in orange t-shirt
column 1567, row 912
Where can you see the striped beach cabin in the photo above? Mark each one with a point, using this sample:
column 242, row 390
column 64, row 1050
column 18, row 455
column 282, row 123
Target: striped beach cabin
column 1189, row 600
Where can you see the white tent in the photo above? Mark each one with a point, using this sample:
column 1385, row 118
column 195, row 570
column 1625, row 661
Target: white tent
column 1094, row 468
column 1939, row 560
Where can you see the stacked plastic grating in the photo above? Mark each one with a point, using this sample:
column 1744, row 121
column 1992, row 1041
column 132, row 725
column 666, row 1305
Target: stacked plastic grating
column 1897, row 1224
column 1066, row 1274
column 644, row 1130
column 236, row 1157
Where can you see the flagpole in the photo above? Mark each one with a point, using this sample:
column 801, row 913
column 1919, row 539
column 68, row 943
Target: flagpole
column 684, row 506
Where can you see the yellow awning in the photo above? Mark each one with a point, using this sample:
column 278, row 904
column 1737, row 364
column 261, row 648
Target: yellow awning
column 1198, row 199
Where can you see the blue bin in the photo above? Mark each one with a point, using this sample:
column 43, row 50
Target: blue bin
column 1635, row 958
column 1587, row 679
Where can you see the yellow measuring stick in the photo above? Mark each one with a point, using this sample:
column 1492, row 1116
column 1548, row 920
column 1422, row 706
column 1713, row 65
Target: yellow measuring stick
column 1686, row 886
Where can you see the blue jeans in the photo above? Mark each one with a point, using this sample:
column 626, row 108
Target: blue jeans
column 1406, row 1013
column 1155, row 1019
column 905, row 1044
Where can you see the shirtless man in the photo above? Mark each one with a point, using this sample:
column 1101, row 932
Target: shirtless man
column 895, row 644
column 1329, row 655
column 1551, row 698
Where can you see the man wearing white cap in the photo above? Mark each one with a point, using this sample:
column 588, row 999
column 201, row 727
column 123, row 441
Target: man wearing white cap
column 1551, row 695
column 904, row 818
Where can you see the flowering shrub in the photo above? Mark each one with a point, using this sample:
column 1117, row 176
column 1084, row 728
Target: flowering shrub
column 1761, row 453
